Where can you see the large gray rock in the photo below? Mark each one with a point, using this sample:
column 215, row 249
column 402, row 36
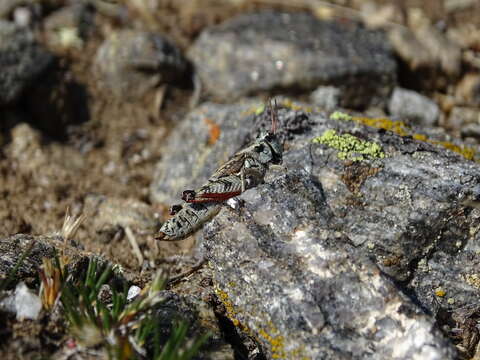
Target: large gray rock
column 317, row 261
column 130, row 63
column 22, row 59
column 270, row 50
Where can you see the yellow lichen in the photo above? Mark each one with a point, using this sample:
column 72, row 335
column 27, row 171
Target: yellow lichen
column 398, row 127
column 293, row 106
column 230, row 309
column 440, row 292
column 402, row 129
column 277, row 345
column 350, row 147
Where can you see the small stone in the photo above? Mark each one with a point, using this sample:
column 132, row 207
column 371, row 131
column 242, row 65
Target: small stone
column 468, row 90
column 326, row 97
column 458, row 5
column 410, row 105
column 133, row 292
column 69, row 26
column 27, row 304
column 471, row 130
column 460, row 116
column 447, row 52
column 408, row 48
column 110, row 214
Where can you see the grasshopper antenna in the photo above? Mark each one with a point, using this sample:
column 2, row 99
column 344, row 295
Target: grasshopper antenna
column 273, row 114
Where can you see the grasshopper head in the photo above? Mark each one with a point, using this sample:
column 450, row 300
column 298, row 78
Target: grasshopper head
column 269, row 149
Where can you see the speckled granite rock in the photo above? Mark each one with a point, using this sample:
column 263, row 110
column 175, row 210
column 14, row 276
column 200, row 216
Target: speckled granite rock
column 22, row 59
column 306, row 261
column 269, row 50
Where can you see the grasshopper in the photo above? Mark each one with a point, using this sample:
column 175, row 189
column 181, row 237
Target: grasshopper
column 246, row 169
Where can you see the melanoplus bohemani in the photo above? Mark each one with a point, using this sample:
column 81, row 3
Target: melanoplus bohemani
column 246, row 169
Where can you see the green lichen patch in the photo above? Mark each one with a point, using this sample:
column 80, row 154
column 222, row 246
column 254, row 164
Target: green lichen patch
column 338, row 115
column 402, row 129
column 350, row 147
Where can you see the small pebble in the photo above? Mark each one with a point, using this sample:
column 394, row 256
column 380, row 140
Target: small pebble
column 133, row 292
column 27, row 304
column 412, row 106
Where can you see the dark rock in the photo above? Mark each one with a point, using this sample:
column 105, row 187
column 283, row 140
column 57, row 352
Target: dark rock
column 270, row 50
column 22, row 59
column 413, row 107
column 307, row 262
column 130, row 63
column 35, row 248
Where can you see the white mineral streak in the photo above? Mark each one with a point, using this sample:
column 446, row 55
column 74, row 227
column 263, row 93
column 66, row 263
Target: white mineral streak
column 314, row 255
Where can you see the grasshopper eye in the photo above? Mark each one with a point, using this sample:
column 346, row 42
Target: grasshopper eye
column 269, row 137
column 259, row 148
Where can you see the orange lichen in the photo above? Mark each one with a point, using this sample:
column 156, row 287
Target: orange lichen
column 214, row 131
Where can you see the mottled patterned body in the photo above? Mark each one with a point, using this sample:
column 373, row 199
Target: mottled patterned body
column 187, row 219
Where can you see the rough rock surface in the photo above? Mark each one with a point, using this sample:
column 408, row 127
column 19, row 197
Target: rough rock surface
column 270, row 50
column 130, row 63
column 21, row 61
column 306, row 262
column 191, row 157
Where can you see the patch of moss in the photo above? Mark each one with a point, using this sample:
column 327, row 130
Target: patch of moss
column 350, row 147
